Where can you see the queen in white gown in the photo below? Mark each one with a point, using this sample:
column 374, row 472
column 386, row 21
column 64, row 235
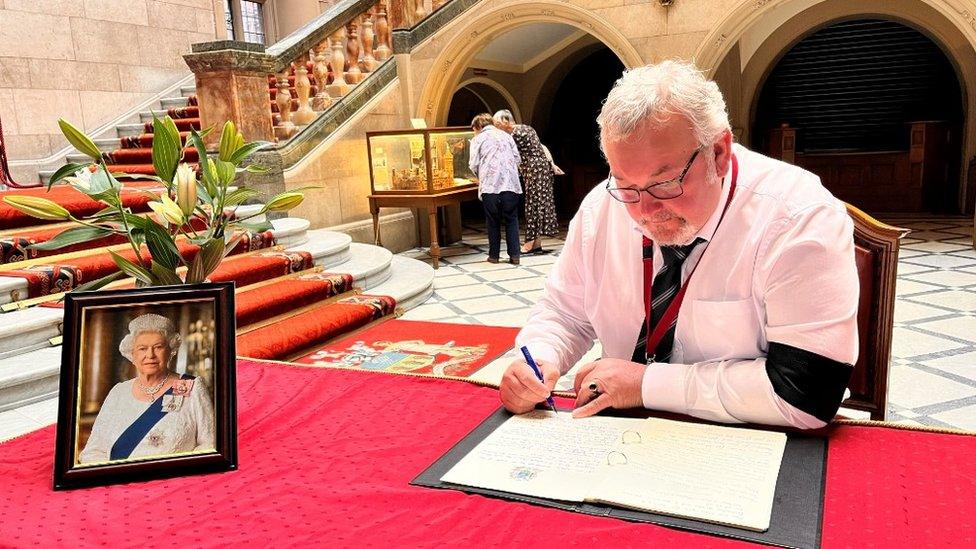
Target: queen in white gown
column 156, row 413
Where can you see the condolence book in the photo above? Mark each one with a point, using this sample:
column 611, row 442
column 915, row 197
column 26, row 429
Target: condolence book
column 715, row 479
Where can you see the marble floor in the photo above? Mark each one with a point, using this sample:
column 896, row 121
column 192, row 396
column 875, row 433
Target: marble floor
column 933, row 373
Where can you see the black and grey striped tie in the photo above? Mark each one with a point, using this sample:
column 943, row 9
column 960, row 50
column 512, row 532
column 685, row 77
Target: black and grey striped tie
column 667, row 282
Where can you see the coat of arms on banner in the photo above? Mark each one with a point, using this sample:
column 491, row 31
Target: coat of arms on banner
column 415, row 356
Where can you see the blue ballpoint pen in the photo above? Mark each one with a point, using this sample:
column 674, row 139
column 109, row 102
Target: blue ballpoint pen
column 538, row 374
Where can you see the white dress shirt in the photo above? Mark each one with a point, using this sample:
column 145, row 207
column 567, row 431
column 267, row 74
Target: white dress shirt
column 495, row 159
column 779, row 268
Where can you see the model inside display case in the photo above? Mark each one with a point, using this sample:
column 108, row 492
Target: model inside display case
column 420, row 161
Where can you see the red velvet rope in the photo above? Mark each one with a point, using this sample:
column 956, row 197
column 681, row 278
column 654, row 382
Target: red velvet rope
column 5, row 177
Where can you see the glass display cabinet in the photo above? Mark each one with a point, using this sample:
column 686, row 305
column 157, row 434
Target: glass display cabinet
column 419, row 161
column 423, row 168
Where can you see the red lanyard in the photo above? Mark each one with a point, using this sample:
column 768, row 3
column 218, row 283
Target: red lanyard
column 654, row 337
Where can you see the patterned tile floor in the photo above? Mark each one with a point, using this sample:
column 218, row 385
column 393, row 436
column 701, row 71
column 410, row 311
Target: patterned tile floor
column 933, row 373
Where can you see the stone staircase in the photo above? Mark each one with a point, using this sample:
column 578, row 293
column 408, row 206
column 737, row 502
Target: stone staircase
column 30, row 364
column 131, row 148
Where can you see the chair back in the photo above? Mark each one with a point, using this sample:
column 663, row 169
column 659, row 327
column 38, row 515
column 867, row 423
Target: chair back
column 876, row 255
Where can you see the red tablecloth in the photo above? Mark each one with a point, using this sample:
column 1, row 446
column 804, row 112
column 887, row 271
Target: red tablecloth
column 326, row 457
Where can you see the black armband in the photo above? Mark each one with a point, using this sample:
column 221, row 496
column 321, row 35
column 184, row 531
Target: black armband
column 810, row 382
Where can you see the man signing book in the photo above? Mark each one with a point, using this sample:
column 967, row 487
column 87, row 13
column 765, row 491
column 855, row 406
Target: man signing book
column 721, row 283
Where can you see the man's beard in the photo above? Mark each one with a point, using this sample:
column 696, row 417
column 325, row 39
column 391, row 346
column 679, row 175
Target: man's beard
column 678, row 232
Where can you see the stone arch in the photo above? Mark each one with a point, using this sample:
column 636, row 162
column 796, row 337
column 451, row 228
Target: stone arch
column 506, row 95
column 481, row 29
column 952, row 29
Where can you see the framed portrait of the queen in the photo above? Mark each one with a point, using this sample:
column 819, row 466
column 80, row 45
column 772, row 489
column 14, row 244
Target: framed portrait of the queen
column 147, row 385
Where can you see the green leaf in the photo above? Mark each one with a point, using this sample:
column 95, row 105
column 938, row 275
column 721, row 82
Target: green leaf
column 226, row 172
column 99, row 283
column 206, row 261
column 67, row 170
column 105, row 188
column 133, row 270
column 166, row 152
column 247, row 150
column 161, row 246
column 204, row 159
column 137, row 221
column 203, row 194
column 75, row 235
column 239, row 196
column 256, row 168
column 79, row 140
column 167, row 277
column 256, row 226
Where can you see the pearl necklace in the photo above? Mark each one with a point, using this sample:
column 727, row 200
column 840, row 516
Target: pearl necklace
column 151, row 391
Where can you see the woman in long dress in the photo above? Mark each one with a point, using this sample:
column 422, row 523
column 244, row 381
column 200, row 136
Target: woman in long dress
column 158, row 412
column 536, row 170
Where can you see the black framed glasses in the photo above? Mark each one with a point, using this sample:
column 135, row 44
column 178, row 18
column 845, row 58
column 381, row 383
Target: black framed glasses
column 664, row 190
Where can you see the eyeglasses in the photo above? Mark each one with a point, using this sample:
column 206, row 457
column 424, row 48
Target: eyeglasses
column 665, row 190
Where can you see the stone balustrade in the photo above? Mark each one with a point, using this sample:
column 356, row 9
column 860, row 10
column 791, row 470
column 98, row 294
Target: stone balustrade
column 329, row 69
column 272, row 93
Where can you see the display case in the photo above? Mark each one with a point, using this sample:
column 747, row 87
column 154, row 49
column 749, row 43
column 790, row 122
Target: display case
column 423, row 161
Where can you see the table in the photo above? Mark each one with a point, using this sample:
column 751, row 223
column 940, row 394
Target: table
column 417, row 200
column 327, row 455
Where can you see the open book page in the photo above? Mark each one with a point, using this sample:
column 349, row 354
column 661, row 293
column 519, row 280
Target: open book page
column 716, row 474
column 542, row 454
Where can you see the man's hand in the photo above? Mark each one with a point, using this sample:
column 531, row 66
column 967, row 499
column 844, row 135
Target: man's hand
column 521, row 390
column 617, row 382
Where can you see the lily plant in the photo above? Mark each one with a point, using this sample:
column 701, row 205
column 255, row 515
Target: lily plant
column 196, row 204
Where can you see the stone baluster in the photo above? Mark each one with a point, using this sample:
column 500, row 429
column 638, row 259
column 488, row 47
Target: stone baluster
column 369, row 62
column 339, row 87
column 353, row 74
column 322, row 99
column 304, row 115
column 383, row 49
column 286, row 128
column 419, row 11
column 436, row 4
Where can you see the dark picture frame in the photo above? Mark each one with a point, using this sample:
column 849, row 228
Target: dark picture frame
column 88, row 311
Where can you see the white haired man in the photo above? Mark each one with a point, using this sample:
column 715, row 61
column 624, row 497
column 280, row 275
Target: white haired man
column 720, row 283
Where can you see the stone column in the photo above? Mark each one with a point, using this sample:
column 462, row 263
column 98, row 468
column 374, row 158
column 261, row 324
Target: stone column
column 232, row 84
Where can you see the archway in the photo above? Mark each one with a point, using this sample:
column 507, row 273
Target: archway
column 876, row 112
column 750, row 41
column 478, row 95
column 479, row 31
column 572, row 132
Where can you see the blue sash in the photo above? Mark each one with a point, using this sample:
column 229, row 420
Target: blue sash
column 133, row 434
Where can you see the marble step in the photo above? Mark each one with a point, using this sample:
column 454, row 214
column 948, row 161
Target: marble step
column 369, row 265
column 125, row 130
column 188, row 90
column 173, row 102
column 411, row 282
column 29, row 377
column 329, row 248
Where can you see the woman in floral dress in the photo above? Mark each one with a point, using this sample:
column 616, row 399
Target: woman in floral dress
column 536, row 171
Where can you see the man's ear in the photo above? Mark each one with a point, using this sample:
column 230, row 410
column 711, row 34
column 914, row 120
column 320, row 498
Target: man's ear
column 722, row 149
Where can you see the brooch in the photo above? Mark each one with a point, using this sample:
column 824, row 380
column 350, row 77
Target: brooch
column 172, row 403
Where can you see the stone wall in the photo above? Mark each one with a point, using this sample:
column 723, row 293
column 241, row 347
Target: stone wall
column 89, row 61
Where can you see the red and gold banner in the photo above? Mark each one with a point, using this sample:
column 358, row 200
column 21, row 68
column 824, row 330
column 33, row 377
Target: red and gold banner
column 435, row 348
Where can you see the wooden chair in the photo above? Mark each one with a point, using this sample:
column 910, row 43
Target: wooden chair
column 876, row 254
